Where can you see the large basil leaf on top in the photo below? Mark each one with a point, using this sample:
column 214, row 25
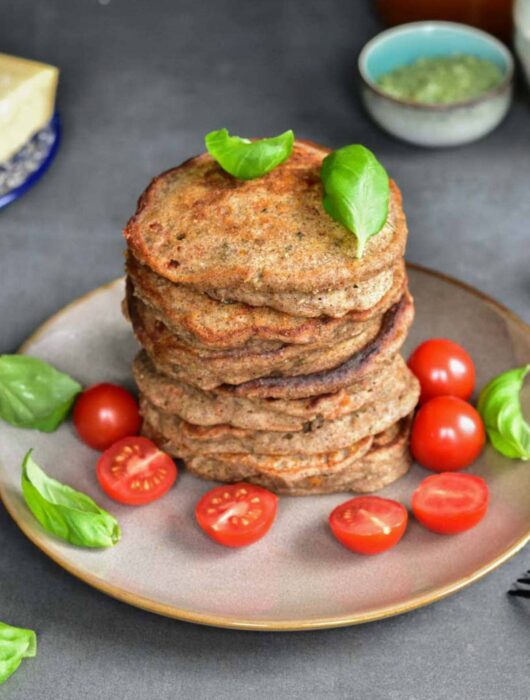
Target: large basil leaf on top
column 33, row 394
column 499, row 406
column 16, row 644
column 247, row 159
column 68, row 514
column 356, row 192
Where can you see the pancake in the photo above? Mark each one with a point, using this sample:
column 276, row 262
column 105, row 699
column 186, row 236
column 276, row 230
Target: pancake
column 369, row 465
column 198, row 320
column 321, row 436
column 208, row 369
column 200, row 407
column 264, row 242
column 369, row 360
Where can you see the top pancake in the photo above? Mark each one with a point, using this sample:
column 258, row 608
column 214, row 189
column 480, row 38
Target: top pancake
column 266, row 241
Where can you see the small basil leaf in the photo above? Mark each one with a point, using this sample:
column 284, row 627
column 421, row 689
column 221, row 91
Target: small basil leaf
column 16, row 644
column 356, row 192
column 68, row 514
column 33, row 394
column 247, row 159
column 500, row 408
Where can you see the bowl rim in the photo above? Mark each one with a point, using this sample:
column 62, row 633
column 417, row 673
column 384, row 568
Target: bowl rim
column 430, row 24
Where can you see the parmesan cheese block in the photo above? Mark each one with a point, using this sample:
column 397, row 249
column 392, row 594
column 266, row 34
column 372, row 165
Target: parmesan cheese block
column 27, row 101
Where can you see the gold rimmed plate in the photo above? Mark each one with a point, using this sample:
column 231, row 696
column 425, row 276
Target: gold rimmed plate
column 297, row 577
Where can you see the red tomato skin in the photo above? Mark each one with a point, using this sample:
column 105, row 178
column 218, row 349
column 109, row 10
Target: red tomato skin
column 242, row 538
column 447, row 434
column 372, row 543
column 116, row 488
column 443, row 368
column 450, row 524
column 105, row 413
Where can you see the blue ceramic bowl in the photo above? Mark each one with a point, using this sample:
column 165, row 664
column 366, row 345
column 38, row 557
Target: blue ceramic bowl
column 434, row 125
column 27, row 166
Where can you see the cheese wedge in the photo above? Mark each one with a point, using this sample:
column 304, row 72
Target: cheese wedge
column 27, row 101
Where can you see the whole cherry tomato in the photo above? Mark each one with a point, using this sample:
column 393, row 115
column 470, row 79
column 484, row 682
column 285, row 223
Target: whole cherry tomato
column 105, row 413
column 443, row 368
column 447, row 434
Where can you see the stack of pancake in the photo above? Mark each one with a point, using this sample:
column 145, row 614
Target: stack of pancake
column 270, row 353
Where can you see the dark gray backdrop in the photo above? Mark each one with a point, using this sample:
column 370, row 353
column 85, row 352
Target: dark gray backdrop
column 141, row 82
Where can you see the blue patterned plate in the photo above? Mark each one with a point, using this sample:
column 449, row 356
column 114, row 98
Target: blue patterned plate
column 29, row 164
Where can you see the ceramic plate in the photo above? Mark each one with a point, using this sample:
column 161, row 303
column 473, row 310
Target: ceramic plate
column 298, row 577
column 29, row 164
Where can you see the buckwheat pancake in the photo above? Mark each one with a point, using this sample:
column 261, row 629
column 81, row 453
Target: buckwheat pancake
column 200, row 321
column 265, row 242
column 200, row 407
column 374, row 355
column 369, row 465
column 208, row 369
column 322, row 436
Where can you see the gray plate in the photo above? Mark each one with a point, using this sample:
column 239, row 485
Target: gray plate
column 297, row 577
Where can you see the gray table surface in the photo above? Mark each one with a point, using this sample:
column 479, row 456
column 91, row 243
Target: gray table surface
column 141, row 82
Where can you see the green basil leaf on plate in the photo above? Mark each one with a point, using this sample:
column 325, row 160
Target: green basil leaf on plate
column 500, row 408
column 356, row 192
column 247, row 159
column 16, row 644
column 68, row 514
column 33, row 394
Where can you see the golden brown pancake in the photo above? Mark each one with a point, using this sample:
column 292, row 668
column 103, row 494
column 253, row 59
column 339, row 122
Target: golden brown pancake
column 208, row 369
column 374, row 355
column 265, row 242
column 369, row 465
column 198, row 320
column 201, row 407
column 322, row 436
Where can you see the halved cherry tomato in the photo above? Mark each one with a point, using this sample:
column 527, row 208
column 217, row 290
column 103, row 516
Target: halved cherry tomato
column 236, row 514
column 443, row 368
column 105, row 413
column 449, row 503
column 447, row 434
column 135, row 472
column 369, row 524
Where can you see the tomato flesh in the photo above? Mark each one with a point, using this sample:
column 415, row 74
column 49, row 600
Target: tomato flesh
column 450, row 503
column 236, row 515
column 134, row 471
column 447, row 434
column 443, row 368
column 105, row 413
column 369, row 524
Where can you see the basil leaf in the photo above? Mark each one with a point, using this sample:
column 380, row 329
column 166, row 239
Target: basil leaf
column 68, row 514
column 500, row 408
column 16, row 644
column 247, row 159
column 356, row 192
column 33, row 394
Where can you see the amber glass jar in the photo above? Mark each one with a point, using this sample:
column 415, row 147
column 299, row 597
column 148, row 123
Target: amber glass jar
column 494, row 16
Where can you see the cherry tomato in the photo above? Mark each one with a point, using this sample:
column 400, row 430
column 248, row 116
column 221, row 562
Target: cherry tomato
column 447, row 434
column 236, row 514
column 449, row 503
column 105, row 413
column 443, row 369
column 369, row 524
column 135, row 472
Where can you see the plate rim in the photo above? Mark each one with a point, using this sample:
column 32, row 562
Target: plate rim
column 36, row 175
column 282, row 625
